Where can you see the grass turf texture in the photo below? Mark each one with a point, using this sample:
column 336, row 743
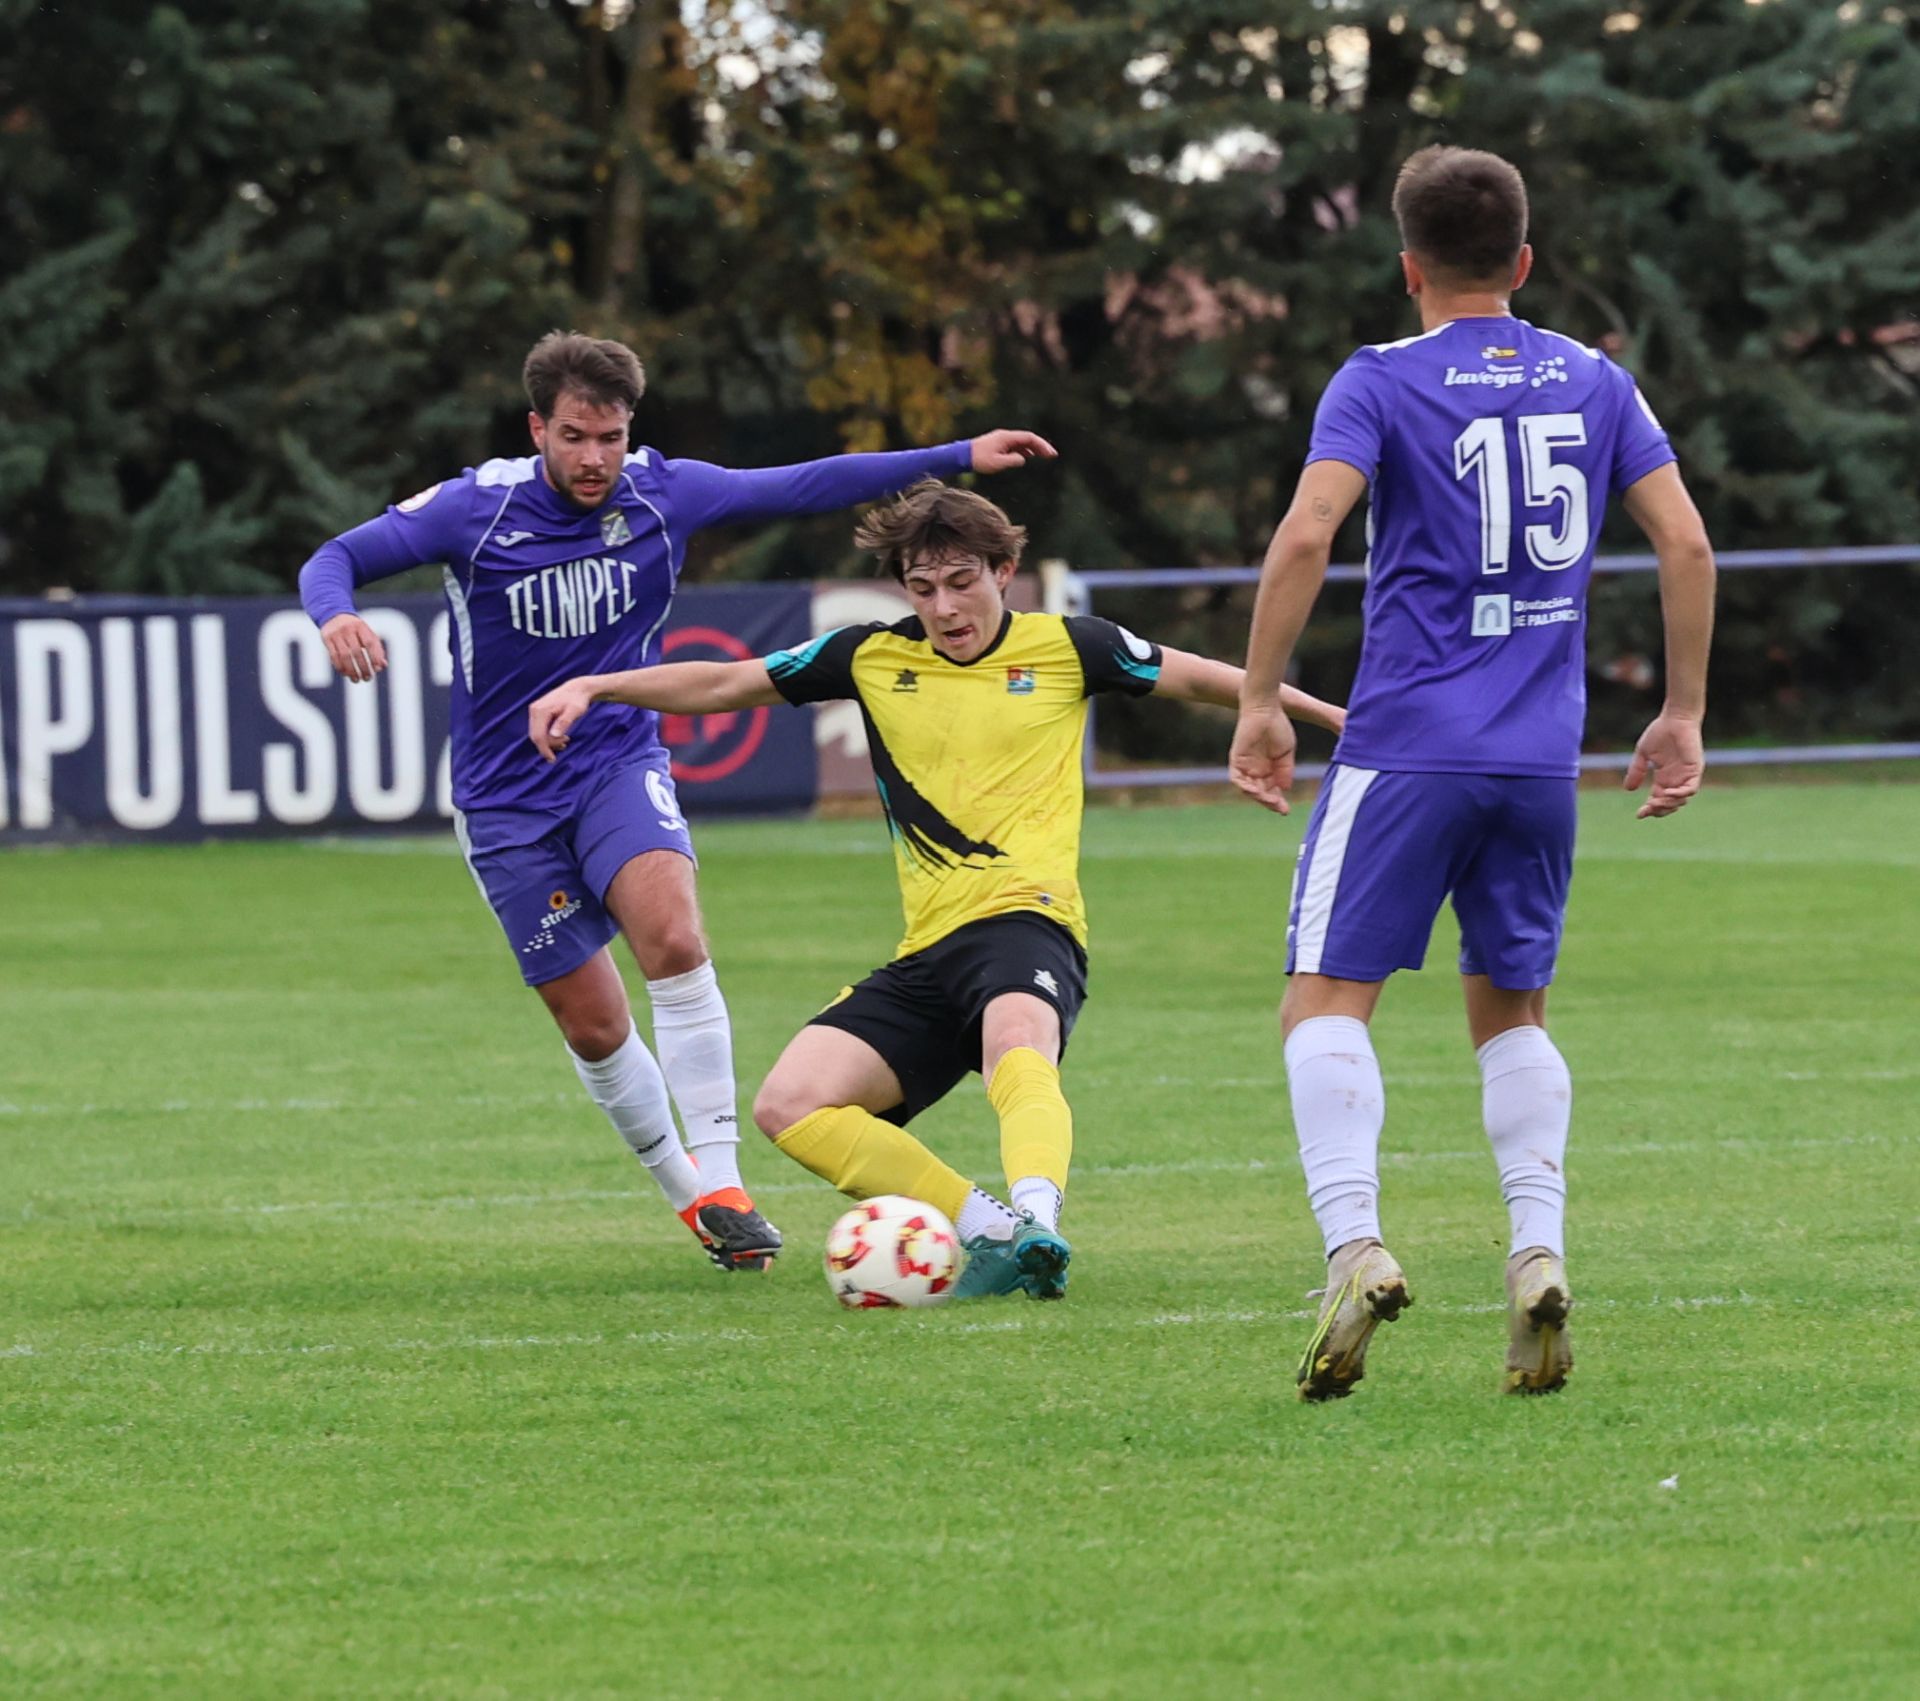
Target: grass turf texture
column 344, row 1350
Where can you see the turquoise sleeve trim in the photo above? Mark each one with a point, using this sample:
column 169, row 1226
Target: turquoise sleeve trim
column 784, row 664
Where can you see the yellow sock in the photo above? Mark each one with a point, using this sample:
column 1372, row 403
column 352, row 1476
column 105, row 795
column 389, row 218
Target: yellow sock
column 865, row 1157
column 1036, row 1123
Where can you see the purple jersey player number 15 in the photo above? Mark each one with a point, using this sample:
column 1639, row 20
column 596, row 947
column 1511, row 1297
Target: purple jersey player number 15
column 1491, row 449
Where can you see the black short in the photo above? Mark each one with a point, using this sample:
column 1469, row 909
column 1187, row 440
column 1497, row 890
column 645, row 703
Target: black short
column 922, row 1012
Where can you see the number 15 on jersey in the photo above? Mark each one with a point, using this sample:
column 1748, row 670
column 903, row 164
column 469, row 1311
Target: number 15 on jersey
column 1556, row 541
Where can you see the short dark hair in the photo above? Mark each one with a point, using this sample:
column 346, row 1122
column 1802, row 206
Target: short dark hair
column 933, row 518
column 606, row 373
column 1462, row 213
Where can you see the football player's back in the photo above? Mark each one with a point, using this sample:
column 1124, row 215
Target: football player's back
column 1487, row 450
column 1493, row 447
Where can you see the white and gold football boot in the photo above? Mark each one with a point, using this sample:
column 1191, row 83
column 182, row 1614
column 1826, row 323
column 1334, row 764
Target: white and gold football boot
column 1365, row 1288
column 1538, row 1301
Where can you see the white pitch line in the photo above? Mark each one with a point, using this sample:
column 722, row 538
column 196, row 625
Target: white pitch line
column 1857, row 857
column 67, row 1211
column 1054, row 1321
column 529, row 1101
column 1255, row 851
column 298, row 1106
column 1467, row 1079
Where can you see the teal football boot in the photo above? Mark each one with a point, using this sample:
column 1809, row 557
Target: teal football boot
column 1041, row 1256
column 991, row 1269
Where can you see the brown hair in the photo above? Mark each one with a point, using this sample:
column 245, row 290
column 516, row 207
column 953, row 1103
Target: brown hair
column 933, row 518
column 1462, row 213
column 606, row 373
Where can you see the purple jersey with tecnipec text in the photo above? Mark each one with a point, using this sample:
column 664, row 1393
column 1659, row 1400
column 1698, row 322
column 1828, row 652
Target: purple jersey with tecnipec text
column 1490, row 448
column 543, row 590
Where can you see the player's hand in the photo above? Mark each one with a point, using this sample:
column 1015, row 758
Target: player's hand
column 552, row 717
column 1261, row 762
column 354, row 648
column 998, row 451
column 1671, row 750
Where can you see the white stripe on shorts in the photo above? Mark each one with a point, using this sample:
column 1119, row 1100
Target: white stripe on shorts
column 466, row 851
column 1323, row 869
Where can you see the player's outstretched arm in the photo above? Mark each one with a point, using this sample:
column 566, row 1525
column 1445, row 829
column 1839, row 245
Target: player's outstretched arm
column 1188, row 678
column 684, row 688
column 1261, row 761
column 1671, row 747
column 706, row 495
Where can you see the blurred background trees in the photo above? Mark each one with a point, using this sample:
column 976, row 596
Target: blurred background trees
column 264, row 269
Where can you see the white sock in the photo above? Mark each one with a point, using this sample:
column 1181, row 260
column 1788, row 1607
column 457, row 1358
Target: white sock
column 984, row 1214
column 1037, row 1194
column 695, row 1042
column 1338, row 1106
column 629, row 1088
column 1526, row 1099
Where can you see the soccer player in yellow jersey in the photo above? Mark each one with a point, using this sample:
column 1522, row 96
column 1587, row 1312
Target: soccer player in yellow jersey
column 976, row 717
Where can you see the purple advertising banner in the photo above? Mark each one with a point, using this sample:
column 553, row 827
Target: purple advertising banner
column 163, row 718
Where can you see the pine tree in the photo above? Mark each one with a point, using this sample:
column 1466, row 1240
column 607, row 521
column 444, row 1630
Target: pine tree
column 265, row 269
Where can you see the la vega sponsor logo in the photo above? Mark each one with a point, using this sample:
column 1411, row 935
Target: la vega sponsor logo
column 1493, row 377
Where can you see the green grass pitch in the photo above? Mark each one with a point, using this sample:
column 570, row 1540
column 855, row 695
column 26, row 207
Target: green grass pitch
column 344, row 1351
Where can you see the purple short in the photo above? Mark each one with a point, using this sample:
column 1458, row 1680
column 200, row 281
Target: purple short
column 546, row 879
column 1384, row 850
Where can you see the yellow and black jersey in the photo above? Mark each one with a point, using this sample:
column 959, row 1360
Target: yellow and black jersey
column 977, row 764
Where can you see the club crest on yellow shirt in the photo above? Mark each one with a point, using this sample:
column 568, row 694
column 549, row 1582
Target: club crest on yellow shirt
column 1020, row 681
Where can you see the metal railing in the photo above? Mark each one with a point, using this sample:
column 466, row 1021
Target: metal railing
column 1067, row 590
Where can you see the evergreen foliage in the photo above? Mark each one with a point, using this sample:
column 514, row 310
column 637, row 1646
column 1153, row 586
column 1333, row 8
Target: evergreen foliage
column 264, row 269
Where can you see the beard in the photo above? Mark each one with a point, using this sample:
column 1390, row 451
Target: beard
column 569, row 488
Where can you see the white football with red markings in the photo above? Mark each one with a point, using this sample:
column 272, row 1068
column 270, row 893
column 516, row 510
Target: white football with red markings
column 890, row 1252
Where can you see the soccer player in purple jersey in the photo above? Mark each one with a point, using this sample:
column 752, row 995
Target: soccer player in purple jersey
column 1487, row 450
column 561, row 563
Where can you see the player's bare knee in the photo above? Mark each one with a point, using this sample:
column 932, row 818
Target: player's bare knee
column 779, row 1104
column 1040, row 1038
column 1041, row 1034
column 1492, row 1011
column 678, row 951
column 594, row 1034
column 1288, row 1013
